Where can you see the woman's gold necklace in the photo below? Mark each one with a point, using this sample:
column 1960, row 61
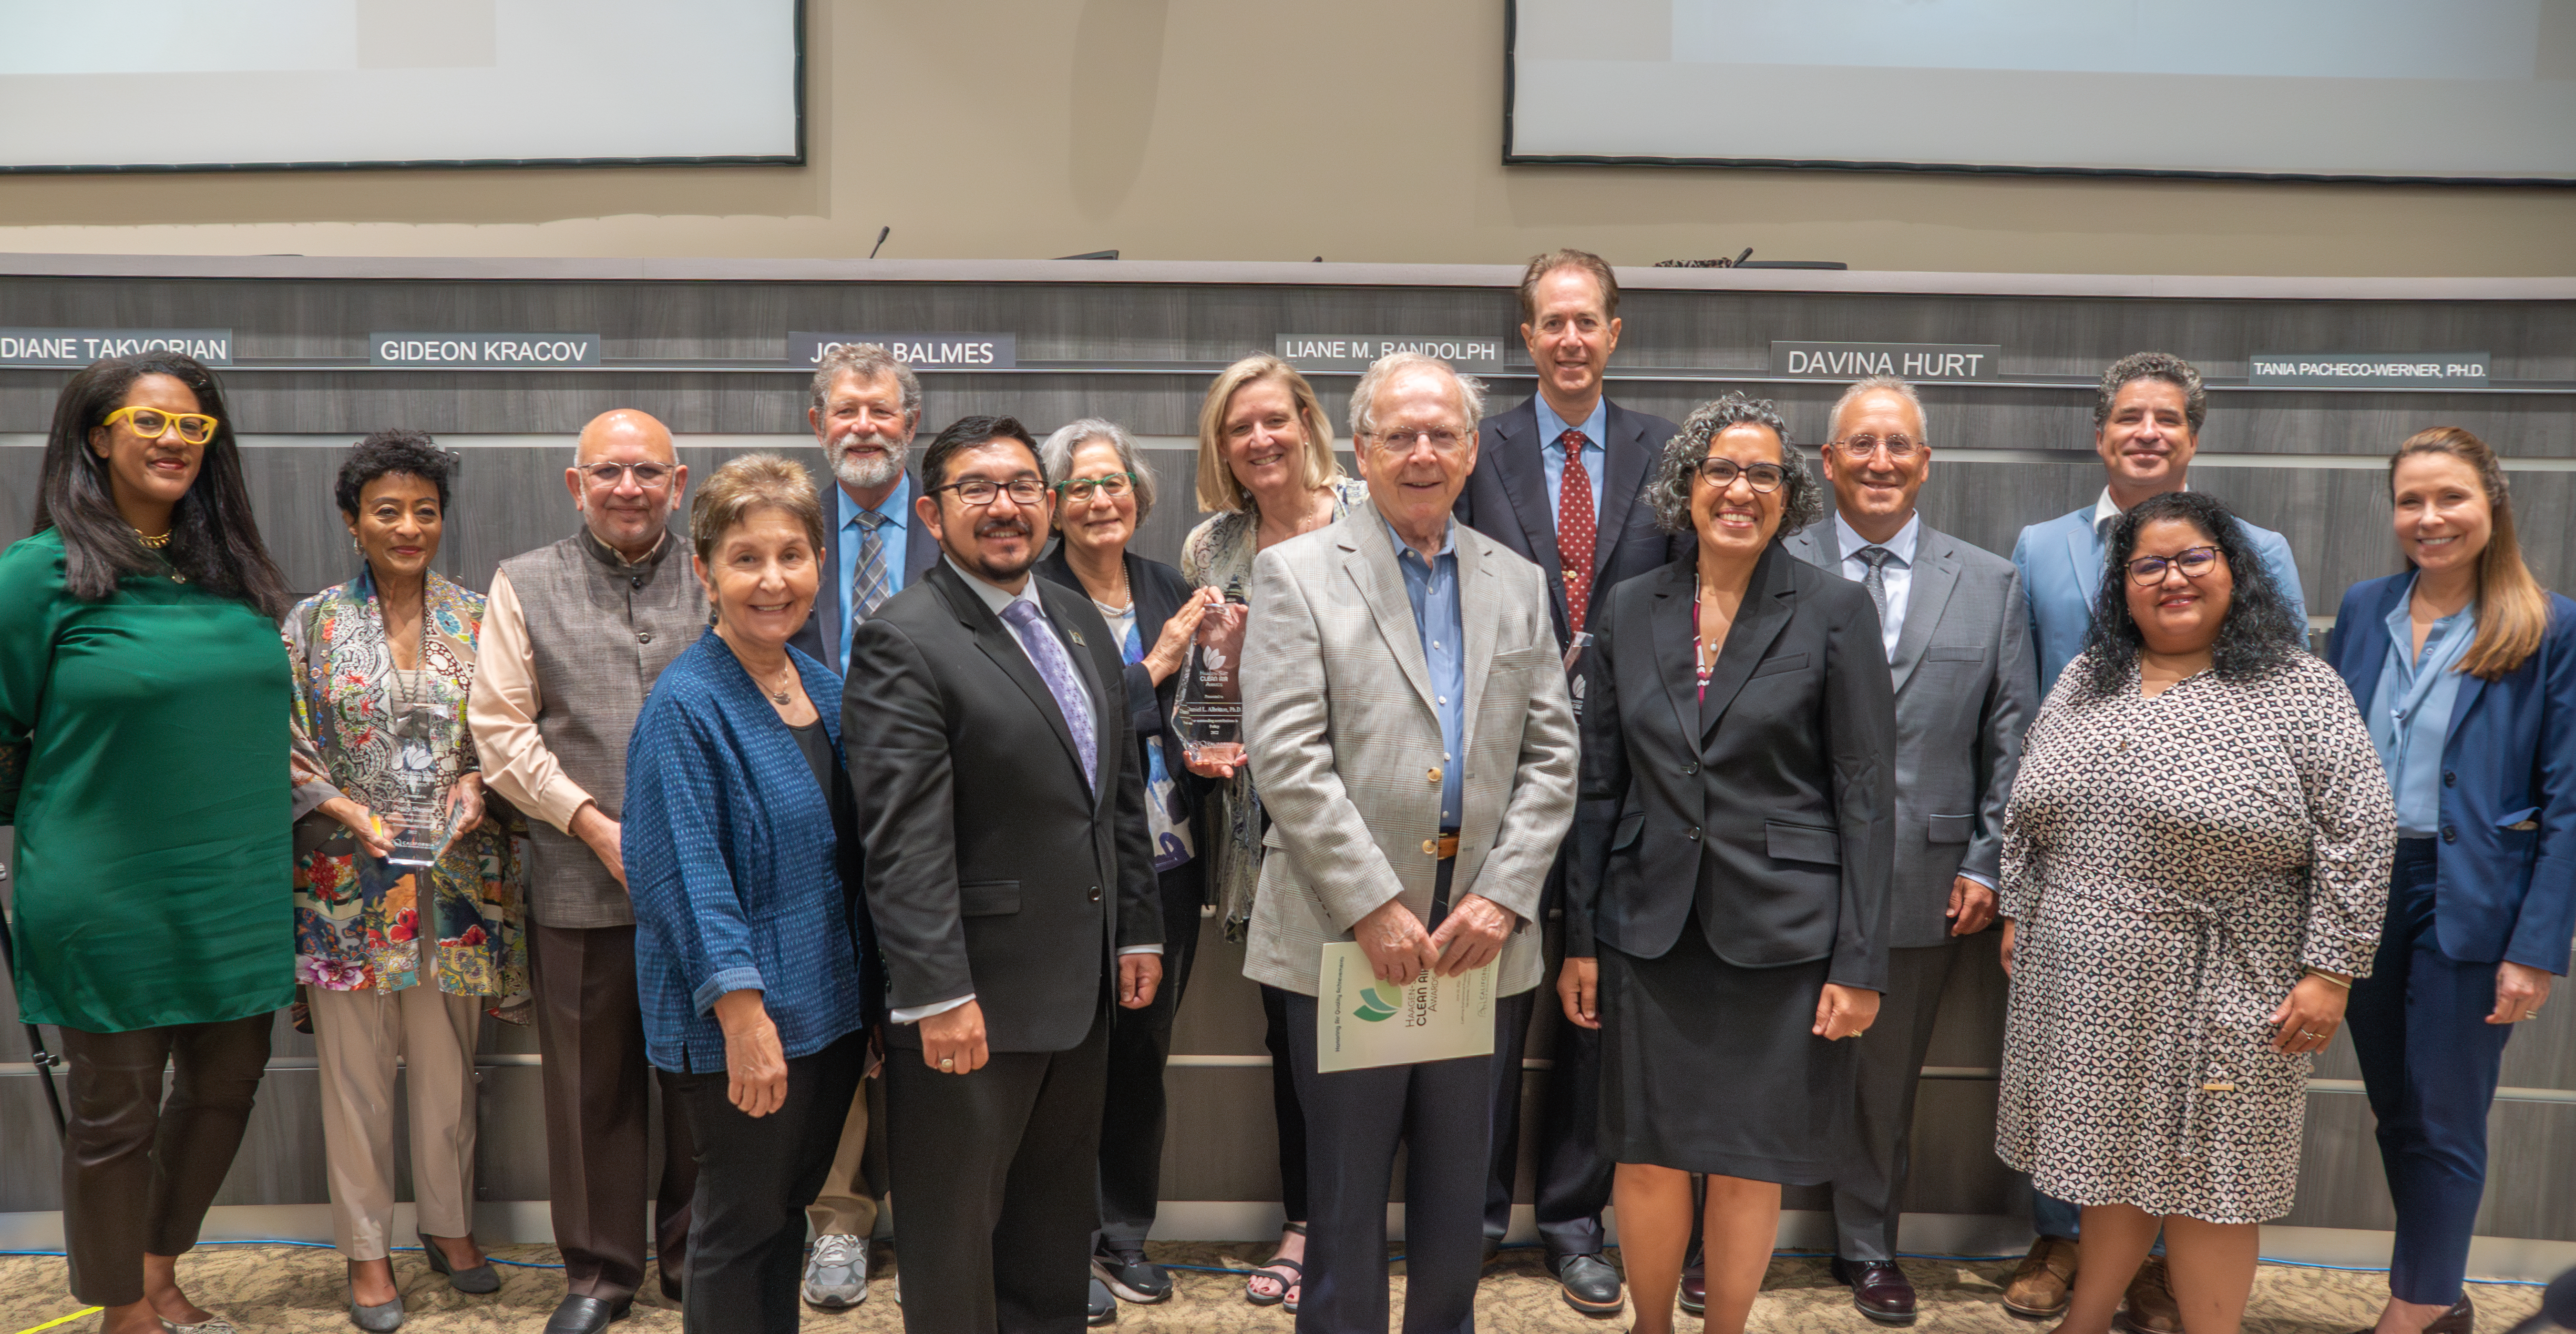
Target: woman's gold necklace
column 153, row 543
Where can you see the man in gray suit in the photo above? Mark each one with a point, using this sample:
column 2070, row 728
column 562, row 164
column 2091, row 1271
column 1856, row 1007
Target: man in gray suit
column 1416, row 811
column 1958, row 645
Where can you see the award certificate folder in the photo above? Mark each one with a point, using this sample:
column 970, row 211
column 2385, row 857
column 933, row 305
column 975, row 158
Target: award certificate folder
column 1362, row 1022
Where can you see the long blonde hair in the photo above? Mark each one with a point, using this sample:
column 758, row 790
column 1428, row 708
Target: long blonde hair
column 1219, row 493
column 2513, row 609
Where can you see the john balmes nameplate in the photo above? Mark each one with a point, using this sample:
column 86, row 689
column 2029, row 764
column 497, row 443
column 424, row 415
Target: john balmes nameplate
column 483, row 351
column 76, row 348
column 1912, row 361
column 2371, row 370
column 1357, row 352
column 921, row 351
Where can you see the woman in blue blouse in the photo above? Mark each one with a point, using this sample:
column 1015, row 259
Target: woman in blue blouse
column 751, row 959
column 2465, row 670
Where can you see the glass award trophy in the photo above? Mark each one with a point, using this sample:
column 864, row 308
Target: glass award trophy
column 1211, row 691
column 421, row 811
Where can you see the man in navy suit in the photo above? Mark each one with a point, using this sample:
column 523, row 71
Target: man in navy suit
column 2147, row 416
column 1561, row 480
column 866, row 406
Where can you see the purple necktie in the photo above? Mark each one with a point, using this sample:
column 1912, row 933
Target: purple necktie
column 1056, row 666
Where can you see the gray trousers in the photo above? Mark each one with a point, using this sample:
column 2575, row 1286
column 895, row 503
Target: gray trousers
column 1869, row 1192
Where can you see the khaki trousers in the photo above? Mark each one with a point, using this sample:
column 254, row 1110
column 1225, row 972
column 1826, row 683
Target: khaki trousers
column 855, row 1188
column 358, row 1035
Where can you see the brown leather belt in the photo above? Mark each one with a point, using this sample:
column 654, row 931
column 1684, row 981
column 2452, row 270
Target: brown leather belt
column 1444, row 847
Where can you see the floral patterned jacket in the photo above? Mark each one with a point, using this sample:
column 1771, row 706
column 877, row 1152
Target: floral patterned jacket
column 359, row 920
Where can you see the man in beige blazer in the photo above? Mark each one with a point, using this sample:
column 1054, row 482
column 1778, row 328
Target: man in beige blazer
column 1406, row 714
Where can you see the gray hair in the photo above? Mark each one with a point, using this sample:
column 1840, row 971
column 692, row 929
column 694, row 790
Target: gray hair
column 1802, row 497
column 1471, row 391
column 1056, row 456
column 2163, row 366
column 866, row 361
column 1878, row 384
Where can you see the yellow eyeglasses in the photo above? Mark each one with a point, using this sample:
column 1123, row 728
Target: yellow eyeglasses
column 152, row 423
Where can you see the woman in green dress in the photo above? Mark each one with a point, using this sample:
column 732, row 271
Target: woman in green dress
column 139, row 667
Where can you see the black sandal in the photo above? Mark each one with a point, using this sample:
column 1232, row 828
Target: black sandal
column 1286, row 1284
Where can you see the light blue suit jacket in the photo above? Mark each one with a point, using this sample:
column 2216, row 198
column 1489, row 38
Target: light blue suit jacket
column 2061, row 571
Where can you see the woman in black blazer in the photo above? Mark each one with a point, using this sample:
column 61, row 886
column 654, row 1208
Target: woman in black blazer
column 1725, row 930
column 1103, row 491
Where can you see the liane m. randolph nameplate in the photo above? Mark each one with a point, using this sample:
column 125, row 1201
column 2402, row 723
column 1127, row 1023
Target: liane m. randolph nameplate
column 1910, row 361
column 1357, row 352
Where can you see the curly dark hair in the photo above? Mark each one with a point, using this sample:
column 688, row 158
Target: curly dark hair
column 2258, row 636
column 411, row 453
column 1802, row 497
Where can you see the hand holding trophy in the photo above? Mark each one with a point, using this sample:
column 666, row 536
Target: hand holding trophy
column 1211, row 707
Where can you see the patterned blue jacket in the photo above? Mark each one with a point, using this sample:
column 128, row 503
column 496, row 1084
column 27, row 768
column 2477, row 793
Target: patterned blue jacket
column 739, row 878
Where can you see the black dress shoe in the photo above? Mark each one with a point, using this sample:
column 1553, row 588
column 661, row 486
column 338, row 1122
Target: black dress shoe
column 1591, row 1285
column 1880, row 1290
column 2462, row 1318
column 585, row 1315
column 1695, row 1288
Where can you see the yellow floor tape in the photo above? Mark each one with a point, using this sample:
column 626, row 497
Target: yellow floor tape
column 62, row 1320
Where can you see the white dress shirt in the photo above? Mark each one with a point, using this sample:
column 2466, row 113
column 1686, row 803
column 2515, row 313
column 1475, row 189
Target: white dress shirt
column 998, row 598
column 1898, row 574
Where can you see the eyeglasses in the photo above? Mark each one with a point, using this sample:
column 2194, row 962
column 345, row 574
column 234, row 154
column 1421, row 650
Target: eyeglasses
column 2147, row 571
column 977, row 492
column 1764, row 478
column 647, row 475
column 196, row 428
column 1859, row 448
column 1079, row 489
column 1443, row 441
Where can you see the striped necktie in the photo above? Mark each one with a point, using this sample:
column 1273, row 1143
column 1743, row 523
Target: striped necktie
column 869, row 585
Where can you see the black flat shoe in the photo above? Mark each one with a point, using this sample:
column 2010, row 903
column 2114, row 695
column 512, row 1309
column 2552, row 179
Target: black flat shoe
column 480, row 1279
column 585, row 1315
column 2462, row 1318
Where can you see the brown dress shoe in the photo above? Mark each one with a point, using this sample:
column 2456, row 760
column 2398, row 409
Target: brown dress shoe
column 1695, row 1288
column 2152, row 1308
column 2462, row 1318
column 2045, row 1282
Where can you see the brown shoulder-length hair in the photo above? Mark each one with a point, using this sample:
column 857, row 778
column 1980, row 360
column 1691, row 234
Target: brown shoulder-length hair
column 2513, row 609
column 1219, row 493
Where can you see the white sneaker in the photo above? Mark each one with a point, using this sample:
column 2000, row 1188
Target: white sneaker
column 836, row 1274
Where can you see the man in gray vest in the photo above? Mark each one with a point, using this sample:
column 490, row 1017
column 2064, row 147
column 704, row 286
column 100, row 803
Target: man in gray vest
column 573, row 637
column 1957, row 636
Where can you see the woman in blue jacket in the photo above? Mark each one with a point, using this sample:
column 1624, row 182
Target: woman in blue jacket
column 752, row 961
column 2465, row 670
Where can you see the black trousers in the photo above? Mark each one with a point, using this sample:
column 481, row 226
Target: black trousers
column 139, row 1168
column 1286, row 1111
column 755, row 1176
column 1140, row 1041
column 995, row 1176
column 1869, row 1190
column 1573, row 1183
column 1439, row 1112
column 597, row 1084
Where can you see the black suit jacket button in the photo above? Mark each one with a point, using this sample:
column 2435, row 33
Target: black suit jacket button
column 1095, row 893
column 1691, row 767
column 2450, row 833
column 1694, row 833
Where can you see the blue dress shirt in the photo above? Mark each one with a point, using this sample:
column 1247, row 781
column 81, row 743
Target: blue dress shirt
column 2410, row 712
column 1432, row 586
column 1551, row 453
column 895, row 533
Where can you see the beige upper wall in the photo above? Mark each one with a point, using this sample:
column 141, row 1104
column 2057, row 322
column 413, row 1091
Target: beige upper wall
column 1228, row 129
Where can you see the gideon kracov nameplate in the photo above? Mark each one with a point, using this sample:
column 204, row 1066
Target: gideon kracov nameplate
column 75, row 348
column 1911, row 361
column 920, row 351
column 2371, row 370
column 483, row 351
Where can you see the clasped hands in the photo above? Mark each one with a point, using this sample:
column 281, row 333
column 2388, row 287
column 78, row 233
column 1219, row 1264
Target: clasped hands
column 464, row 804
column 1400, row 950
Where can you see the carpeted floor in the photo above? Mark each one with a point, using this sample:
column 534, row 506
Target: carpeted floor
column 270, row 1289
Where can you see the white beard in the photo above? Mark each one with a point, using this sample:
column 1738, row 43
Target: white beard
column 866, row 473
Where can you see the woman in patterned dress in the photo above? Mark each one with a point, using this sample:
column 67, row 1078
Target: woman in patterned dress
column 2195, row 863
column 401, row 952
column 1266, row 473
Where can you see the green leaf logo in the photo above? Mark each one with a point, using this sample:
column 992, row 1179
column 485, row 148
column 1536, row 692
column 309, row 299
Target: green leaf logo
column 1375, row 1005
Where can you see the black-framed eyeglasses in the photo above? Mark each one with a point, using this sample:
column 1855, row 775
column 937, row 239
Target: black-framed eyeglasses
column 1764, row 478
column 977, row 492
column 1859, row 448
column 647, row 475
column 1113, row 485
column 1442, row 441
column 2148, row 571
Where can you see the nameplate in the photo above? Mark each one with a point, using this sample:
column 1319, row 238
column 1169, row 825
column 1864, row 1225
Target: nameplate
column 1358, row 352
column 75, row 348
column 2372, row 370
column 497, row 351
column 1906, row 361
column 921, row 351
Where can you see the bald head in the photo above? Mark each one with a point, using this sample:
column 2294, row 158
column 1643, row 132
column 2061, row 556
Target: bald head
column 626, row 479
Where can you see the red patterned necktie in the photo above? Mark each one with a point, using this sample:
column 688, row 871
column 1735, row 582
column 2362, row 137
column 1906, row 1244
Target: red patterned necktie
column 1574, row 529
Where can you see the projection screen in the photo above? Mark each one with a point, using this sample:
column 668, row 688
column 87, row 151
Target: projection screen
column 141, row 85
column 2464, row 90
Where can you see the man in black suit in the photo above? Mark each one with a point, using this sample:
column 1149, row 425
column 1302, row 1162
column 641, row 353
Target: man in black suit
column 1561, row 480
column 866, row 406
column 1012, row 884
